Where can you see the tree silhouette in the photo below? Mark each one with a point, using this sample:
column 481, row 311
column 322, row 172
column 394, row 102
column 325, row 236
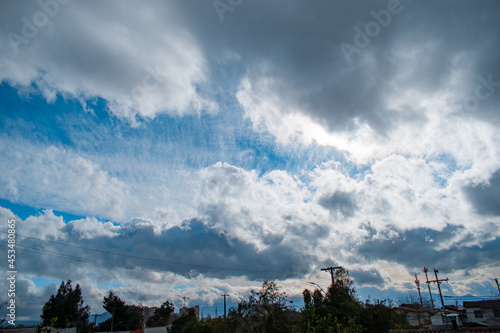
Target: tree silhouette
column 335, row 311
column 124, row 317
column 338, row 310
column 161, row 315
column 264, row 311
column 65, row 309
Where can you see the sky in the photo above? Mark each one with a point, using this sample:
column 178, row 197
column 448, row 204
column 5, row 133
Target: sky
column 169, row 149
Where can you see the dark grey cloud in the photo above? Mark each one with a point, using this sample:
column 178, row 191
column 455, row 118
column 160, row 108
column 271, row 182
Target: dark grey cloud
column 420, row 247
column 370, row 277
column 309, row 233
column 486, row 197
column 299, row 43
column 295, row 43
column 340, row 201
column 191, row 250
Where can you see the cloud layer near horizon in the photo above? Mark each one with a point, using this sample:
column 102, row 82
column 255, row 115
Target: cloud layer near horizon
column 252, row 142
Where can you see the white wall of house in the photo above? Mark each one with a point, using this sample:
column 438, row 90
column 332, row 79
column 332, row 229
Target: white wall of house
column 476, row 315
column 161, row 329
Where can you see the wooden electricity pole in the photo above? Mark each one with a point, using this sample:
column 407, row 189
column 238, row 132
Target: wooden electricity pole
column 225, row 295
column 428, row 285
column 417, row 282
column 331, row 269
column 438, row 281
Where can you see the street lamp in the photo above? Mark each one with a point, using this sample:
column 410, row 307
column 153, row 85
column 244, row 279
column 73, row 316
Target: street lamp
column 317, row 286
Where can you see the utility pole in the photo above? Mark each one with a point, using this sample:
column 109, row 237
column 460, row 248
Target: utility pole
column 331, row 269
column 113, row 324
column 438, row 281
column 225, row 295
column 498, row 285
column 95, row 320
column 428, row 285
column 112, row 319
column 143, row 317
column 185, row 298
column 417, row 282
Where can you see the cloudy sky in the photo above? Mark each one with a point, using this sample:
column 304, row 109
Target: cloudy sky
column 169, row 149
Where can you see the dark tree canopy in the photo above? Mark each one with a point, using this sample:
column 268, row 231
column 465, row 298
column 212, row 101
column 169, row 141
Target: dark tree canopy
column 65, row 309
column 124, row 317
column 335, row 310
column 338, row 310
column 161, row 315
column 268, row 297
column 264, row 311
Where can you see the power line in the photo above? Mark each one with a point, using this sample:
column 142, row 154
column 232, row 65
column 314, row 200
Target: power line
column 103, row 263
column 331, row 269
column 31, row 296
column 139, row 257
column 87, row 260
column 86, row 299
column 471, row 297
column 145, row 258
column 80, row 259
